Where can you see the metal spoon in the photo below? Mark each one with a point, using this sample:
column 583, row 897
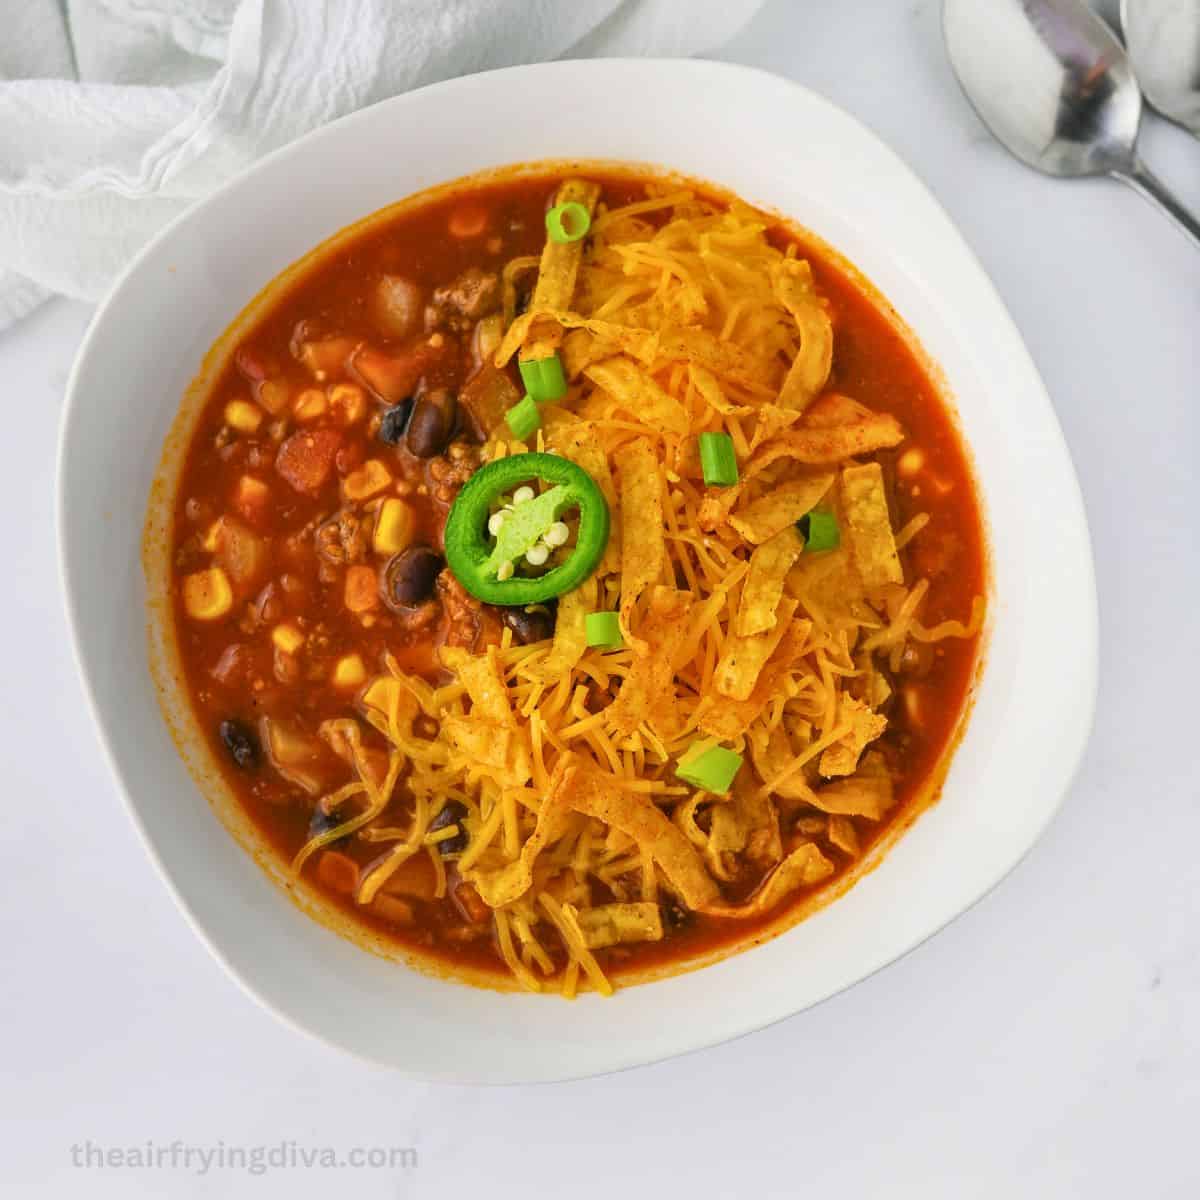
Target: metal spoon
column 1163, row 40
column 1049, row 79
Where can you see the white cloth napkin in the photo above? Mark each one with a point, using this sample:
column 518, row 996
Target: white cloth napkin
column 116, row 114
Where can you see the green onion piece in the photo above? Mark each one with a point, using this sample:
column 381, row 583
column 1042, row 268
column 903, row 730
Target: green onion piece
column 543, row 377
column 568, row 222
column 718, row 460
column 820, row 530
column 523, row 418
column 712, row 770
column 603, row 630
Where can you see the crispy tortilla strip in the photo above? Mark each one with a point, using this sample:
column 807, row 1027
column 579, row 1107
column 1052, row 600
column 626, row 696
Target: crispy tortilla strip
column 647, row 693
column 821, row 447
column 743, row 658
column 770, row 420
column 695, row 344
column 577, row 441
column 709, row 387
column 834, row 409
column 643, row 542
column 728, row 720
column 759, row 819
column 803, row 867
column 570, row 629
column 772, row 752
column 842, row 757
column 480, row 674
column 792, row 282
column 598, row 795
column 844, row 836
column 511, row 882
column 559, row 269
column 608, row 339
column 781, row 507
column 497, row 751
column 868, row 530
column 612, row 924
column 635, row 392
column 868, row 793
column 763, row 589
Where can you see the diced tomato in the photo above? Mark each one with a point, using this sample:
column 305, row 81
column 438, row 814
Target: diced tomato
column 394, row 377
column 337, row 871
column 305, row 459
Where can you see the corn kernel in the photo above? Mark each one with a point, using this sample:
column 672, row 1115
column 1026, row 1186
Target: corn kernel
column 273, row 395
column 348, row 402
column 251, row 496
column 243, row 416
column 213, row 537
column 288, row 638
column 370, row 478
column 394, row 525
column 361, row 592
column 207, row 595
column 310, row 405
column 349, row 672
column 382, row 694
column 911, row 462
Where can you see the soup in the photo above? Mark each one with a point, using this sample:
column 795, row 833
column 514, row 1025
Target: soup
column 577, row 575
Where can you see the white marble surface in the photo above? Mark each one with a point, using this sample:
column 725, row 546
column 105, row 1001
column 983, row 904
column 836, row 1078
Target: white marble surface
column 1046, row 1045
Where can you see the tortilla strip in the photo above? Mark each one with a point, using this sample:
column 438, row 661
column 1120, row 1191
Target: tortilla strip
column 578, row 442
column 597, row 795
column 842, row 757
column 763, row 589
column 822, row 447
column 792, row 282
column 637, row 393
column 497, row 751
column 559, row 269
column 728, row 720
column 611, row 924
column 643, row 544
column 480, row 674
column 743, row 658
column 647, row 693
column 869, row 793
column 844, row 836
column 512, row 881
column 803, row 867
column 781, row 507
column 868, row 528
column 534, row 323
column 570, row 629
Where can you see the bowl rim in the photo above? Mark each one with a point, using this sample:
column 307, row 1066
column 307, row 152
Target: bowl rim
column 689, row 73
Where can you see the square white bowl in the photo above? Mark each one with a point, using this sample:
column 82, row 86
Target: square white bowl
column 776, row 145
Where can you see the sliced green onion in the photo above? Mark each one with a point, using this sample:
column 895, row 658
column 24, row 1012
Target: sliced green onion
column 718, row 460
column 523, row 418
column 568, row 222
column 820, row 530
column 603, row 630
column 543, row 377
column 713, row 769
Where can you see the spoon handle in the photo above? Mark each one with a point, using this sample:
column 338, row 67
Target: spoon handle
column 1143, row 180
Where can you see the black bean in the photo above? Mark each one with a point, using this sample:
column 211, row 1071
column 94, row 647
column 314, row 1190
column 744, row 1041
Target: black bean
column 432, row 422
column 409, row 578
column 529, row 627
column 452, row 813
column 241, row 742
column 395, row 422
column 322, row 822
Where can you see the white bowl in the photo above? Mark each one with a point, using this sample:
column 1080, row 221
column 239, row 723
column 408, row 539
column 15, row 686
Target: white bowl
column 774, row 144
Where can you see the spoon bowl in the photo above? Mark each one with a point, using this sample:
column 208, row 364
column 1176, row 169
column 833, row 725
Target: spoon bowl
column 1049, row 79
column 1055, row 86
column 1163, row 40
